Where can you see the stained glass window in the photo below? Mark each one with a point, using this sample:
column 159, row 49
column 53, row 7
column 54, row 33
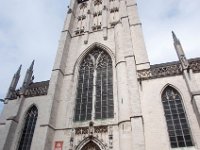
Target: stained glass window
column 177, row 124
column 28, row 129
column 94, row 97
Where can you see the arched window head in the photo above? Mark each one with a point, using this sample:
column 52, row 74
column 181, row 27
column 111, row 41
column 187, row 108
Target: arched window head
column 177, row 124
column 94, row 97
column 28, row 129
column 91, row 146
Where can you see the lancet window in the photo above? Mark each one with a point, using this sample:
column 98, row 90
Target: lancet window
column 97, row 15
column 94, row 98
column 177, row 124
column 81, row 19
column 114, row 11
column 28, row 129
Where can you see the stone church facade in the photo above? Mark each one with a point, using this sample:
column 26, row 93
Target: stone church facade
column 103, row 93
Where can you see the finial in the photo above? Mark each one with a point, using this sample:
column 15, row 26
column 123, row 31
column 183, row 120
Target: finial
column 32, row 64
column 19, row 70
column 176, row 40
column 28, row 78
column 180, row 52
column 13, row 84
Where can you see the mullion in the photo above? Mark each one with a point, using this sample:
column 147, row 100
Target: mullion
column 101, row 94
column 84, row 95
column 172, row 119
column 110, row 89
column 87, row 92
column 91, row 91
column 107, row 88
column 82, row 85
column 181, row 128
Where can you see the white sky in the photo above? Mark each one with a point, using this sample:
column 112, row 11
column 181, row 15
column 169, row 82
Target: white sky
column 31, row 29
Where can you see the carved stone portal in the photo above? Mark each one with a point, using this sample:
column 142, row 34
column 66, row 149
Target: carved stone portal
column 91, row 146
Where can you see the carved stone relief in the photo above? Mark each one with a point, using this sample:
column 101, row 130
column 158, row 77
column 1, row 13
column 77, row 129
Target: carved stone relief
column 168, row 69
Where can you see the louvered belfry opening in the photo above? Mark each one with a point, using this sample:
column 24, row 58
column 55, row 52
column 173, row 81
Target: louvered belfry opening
column 177, row 124
column 28, row 129
column 94, row 97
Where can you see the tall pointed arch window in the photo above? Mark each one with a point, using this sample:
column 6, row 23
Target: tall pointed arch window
column 177, row 124
column 94, row 97
column 28, row 129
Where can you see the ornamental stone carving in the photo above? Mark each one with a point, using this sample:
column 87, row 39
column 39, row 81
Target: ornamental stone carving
column 35, row 89
column 167, row 69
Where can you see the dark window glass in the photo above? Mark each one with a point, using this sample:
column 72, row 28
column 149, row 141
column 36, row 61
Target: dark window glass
column 177, row 125
column 28, row 129
column 104, row 87
column 95, row 67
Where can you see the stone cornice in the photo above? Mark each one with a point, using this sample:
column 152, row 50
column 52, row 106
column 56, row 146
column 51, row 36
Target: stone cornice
column 167, row 69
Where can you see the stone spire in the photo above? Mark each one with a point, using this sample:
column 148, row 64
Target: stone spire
column 14, row 82
column 180, row 52
column 28, row 78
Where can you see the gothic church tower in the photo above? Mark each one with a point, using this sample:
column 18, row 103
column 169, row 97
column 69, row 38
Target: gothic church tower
column 94, row 83
column 100, row 94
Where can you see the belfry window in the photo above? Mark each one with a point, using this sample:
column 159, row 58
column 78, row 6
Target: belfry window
column 94, row 99
column 28, row 129
column 177, row 124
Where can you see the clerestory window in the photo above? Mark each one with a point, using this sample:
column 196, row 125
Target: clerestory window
column 28, row 129
column 94, row 97
column 177, row 124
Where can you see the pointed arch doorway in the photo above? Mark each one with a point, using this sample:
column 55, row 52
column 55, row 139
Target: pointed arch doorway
column 91, row 146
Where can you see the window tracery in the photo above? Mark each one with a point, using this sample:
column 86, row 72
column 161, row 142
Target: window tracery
column 28, row 129
column 177, row 124
column 95, row 87
column 91, row 146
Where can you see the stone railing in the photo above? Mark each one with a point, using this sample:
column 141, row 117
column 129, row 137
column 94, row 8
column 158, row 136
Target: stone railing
column 167, row 69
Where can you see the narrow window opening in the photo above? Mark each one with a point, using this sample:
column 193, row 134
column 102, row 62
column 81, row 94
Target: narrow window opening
column 177, row 125
column 28, row 129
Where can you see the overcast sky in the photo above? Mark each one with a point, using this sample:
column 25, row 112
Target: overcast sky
column 31, row 30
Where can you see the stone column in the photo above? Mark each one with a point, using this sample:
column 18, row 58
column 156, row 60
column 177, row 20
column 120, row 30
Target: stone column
column 122, row 90
column 125, row 136
column 137, row 128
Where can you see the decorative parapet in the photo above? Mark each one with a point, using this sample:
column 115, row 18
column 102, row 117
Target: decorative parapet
column 97, row 129
column 167, row 69
column 35, row 89
column 195, row 65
